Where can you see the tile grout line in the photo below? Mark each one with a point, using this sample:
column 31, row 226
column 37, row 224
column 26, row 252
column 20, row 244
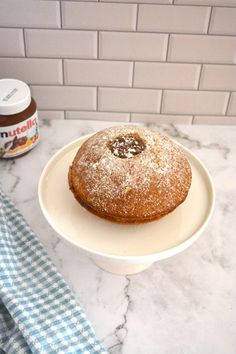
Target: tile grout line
column 112, row 31
column 23, row 32
column 62, row 59
column 161, row 103
column 132, row 84
column 137, row 15
column 97, row 99
column 232, row 123
column 209, row 35
column 193, row 90
column 199, row 79
column 63, row 77
column 133, row 73
column 63, row 71
column 98, row 51
column 146, row 113
column 167, row 48
column 120, row 60
column 133, row 68
column 154, row 3
column 60, row 9
column 228, row 103
column 209, row 21
column 163, row 4
column 123, row 112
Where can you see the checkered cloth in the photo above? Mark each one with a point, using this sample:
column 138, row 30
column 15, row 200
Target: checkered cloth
column 38, row 312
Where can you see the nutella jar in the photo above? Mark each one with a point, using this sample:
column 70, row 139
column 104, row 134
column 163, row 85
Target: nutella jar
column 19, row 129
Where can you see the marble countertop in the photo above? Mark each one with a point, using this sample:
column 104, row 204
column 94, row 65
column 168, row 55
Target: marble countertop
column 182, row 305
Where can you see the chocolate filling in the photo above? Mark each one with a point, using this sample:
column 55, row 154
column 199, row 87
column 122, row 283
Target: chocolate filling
column 127, row 146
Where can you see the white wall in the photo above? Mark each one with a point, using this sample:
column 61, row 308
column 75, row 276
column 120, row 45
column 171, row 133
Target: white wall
column 134, row 60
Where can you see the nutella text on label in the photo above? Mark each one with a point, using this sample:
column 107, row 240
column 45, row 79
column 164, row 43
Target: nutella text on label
column 19, row 138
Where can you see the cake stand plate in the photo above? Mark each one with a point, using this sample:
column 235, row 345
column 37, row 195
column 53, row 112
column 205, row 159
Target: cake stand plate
column 117, row 248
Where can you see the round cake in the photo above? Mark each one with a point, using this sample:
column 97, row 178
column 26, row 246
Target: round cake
column 130, row 174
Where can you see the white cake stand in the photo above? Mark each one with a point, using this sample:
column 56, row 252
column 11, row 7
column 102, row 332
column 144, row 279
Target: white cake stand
column 116, row 248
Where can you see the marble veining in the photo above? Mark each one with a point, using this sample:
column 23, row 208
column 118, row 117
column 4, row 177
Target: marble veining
column 121, row 331
column 191, row 143
column 182, row 305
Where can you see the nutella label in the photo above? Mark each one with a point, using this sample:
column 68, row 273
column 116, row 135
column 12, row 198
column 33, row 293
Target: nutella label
column 19, row 138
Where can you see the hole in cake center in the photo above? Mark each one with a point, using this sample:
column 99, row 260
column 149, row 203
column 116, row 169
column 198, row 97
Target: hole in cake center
column 127, row 146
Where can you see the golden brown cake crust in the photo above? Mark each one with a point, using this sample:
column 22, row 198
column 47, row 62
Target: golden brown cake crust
column 129, row 185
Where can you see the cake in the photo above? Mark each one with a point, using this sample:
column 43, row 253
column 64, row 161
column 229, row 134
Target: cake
column 130, row 174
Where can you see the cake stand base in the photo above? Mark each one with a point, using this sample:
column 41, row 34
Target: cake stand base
column 121, row 268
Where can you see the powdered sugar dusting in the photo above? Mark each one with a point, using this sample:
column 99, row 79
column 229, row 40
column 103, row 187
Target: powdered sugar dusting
column 138, row 184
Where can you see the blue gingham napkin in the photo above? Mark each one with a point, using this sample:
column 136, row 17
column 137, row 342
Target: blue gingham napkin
column 38, row 312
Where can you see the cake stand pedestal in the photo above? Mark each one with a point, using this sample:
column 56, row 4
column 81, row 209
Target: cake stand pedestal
column 120, row 268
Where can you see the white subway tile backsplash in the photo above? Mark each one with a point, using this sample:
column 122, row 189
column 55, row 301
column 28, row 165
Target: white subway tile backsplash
column 80, row 0
column 202, row 49
column 132, row 46
column 32, row 71
column 166, row 75
column 11, row 42
column 177, row 19
column 157, row 61
column 207, row 2
column 50, row 115
column 61, row 43
column 129, row 100
column 223, row 21
column 64, row 97
column 99, row 16
column 98, row 73
column 194, row 102
column 218, row 77
column 142, row 1
column 232, row 105
column 108, row 116
column 161, row 118
column 25, row 13
column 214, row 120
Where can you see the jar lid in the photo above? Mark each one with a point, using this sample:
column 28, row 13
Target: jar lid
column 14, row 96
